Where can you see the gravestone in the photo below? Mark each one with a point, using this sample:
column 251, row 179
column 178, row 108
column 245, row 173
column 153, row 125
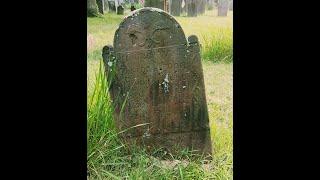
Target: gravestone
column 192, row 8
column 156, row 83
column 120, row 10
column 112, row 6
column 105, row 6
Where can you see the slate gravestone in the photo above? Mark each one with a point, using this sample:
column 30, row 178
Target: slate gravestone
column 112, row 6
column 192, row 8
column 156, row 83
column 120, row 10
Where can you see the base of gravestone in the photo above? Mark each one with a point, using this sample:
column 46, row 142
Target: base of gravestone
column 199, row 142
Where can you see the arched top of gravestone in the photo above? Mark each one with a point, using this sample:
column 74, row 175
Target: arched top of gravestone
column 148, row 28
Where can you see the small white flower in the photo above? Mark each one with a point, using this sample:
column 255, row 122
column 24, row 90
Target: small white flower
column 109, row 63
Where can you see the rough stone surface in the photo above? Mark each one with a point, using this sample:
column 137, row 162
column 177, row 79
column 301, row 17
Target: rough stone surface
column 156, row 83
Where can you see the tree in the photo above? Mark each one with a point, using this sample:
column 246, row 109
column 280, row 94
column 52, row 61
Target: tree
column 231, row 5
column 210, row 4
column 100, row 6
column 92, row 8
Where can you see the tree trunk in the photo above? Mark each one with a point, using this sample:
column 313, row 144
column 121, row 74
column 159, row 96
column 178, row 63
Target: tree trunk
column 105, row 6
column 202, row 7
column 209, row 4
column 100, row 6
column 154, row 3
column 223, row 8
column 92, row 8
column 175, row 7
column 192, row 8
column 183, row 6
column 231, row 5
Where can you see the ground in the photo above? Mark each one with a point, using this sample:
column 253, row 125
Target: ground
column 218, row 83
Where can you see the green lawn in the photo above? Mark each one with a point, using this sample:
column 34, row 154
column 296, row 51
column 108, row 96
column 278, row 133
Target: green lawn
column 109, row 159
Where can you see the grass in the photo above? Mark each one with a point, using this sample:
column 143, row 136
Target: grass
column 108, row 158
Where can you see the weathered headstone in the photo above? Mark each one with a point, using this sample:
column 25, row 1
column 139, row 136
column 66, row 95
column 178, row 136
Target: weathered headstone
column 112, row 6
column 192, row 8
column 120, row 10
column 157, row 87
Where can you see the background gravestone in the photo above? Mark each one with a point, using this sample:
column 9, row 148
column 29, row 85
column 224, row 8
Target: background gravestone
column 120, row 10
column 112, row 6
column 156, row 83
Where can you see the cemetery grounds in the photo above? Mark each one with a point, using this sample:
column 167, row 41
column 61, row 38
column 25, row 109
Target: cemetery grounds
column 108, row 158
